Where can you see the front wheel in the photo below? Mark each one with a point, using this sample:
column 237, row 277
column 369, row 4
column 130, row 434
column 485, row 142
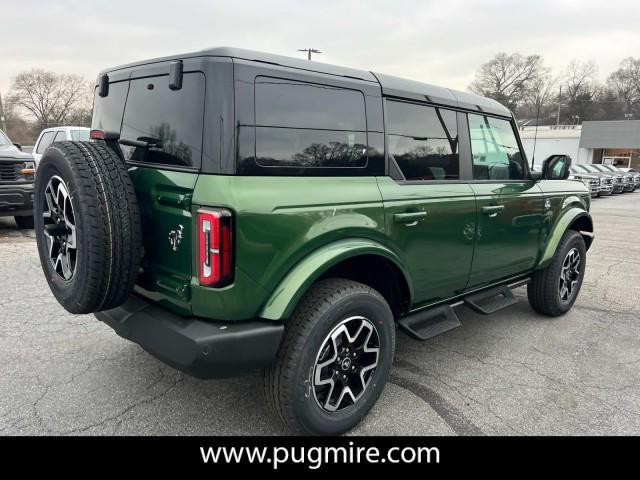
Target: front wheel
column 554, row 289
column 334, row 360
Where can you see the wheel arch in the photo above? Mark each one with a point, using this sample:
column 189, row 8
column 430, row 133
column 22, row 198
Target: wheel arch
column 361, row 260
column 573, row 219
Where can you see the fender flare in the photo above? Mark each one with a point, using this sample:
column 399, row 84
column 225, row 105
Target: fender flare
column 559, row 229
column 293, row 286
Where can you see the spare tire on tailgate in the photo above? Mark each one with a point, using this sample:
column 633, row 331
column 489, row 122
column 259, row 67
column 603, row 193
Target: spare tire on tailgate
column 87, row 226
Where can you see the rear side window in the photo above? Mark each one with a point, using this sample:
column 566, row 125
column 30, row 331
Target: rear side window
column 80, row 135
column 423, row 141
column 45, row 141
column 167, row 123
column 307, row 125
column 494, row 148
column 107, row 111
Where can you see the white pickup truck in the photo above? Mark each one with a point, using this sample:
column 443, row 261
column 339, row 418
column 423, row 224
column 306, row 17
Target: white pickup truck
column 57, row 134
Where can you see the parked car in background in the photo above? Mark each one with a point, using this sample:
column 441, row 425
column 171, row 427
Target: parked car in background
column 621, row 178
column 636, row 174
column 630, row 179
column 592, row 182
column 57, row 134
column 16, row 182
column 606, row 178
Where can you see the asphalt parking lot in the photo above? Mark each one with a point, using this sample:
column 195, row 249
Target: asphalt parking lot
column 511, row 373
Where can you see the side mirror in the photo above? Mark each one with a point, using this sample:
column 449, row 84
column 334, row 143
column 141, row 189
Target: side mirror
column 556, row 167
column 18, row 146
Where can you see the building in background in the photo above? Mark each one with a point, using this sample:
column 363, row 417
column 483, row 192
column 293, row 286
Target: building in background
column 553, row 140
column 611, row 142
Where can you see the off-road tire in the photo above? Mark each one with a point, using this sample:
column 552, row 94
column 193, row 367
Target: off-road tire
column 543, row 290
column 24, row 222
column 108, row 231
column 287, row 382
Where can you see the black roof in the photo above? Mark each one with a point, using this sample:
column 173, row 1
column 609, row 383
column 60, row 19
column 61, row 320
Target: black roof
column 393, row 86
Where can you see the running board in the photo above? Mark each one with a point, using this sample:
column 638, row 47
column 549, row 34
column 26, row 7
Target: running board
column 492, row 300
column 426, row 324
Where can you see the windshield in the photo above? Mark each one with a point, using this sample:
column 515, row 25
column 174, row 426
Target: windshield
column 4, row 140
column 590, row 168
column 578, row 169
column 610, row 168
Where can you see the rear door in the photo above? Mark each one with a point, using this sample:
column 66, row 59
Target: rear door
column 510, row 205
column 161, row 140
column 429, row 213
column 160, row 134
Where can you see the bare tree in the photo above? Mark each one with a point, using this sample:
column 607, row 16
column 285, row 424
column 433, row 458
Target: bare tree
column 47, row 97
column 581, row 91
column 508, row 78
column 538, row 100
column 624, row 84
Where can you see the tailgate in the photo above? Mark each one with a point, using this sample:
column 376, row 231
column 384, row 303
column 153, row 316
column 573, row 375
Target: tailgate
column 164, row 198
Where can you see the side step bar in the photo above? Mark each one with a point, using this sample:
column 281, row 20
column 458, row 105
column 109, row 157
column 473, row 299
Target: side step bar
column 491, row 300
column 426, row 324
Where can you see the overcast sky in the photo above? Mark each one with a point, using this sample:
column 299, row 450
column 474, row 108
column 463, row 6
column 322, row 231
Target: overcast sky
column 441, row 42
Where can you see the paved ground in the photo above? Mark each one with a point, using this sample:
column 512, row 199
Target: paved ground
column 511, row 373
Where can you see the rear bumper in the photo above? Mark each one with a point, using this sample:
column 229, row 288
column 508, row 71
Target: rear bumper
column 201, row 348
column 16, row 200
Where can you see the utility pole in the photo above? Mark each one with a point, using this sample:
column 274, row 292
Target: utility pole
column 309, row 51
column 559, row 105
column 4, row 121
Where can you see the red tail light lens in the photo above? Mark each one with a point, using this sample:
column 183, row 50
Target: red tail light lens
column 97, row 135
column 215, row 247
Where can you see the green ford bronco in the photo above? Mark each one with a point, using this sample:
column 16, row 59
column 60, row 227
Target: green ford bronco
column 237, row 211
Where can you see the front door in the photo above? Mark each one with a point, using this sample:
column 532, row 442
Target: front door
column 430, row 215
column 510, row 205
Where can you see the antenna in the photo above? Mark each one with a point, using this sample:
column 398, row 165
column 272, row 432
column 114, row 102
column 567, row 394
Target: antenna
column 309, row 51
column 535, row 136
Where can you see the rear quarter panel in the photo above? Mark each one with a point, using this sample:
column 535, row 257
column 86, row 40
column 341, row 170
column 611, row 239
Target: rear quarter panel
column 278, row 222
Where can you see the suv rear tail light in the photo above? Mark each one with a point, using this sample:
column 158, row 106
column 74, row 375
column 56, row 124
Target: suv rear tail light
column 97, row 135
column 215, row 247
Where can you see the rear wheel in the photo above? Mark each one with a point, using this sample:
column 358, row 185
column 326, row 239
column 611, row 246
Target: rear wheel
column 554, row 289
column 87, row 226
column 24, row 222
column 334, row 360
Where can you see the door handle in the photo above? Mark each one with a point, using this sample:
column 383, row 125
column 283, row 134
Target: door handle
column 492, row 210
column 409, row 218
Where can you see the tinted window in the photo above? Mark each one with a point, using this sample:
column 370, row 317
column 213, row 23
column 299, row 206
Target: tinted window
column 307, row 125
column 423, row 141
column 168, row 121
column 45, row 141
column 286, row 103
column 61, row 136
column 107, row 111
column 496, row 155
